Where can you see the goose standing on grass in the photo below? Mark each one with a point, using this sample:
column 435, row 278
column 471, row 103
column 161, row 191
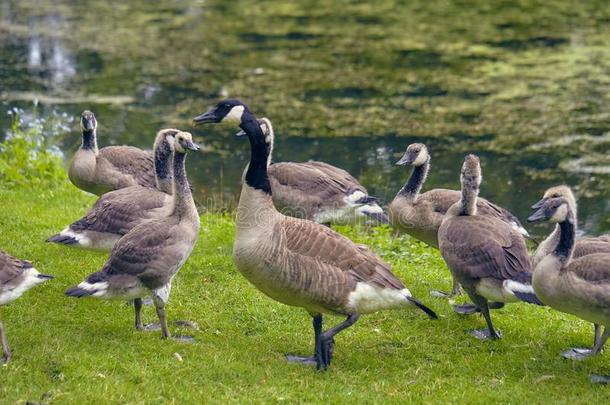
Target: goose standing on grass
column 318, row 191
column 299, row 262
column 146, row 259
column 577, row 286
column 16, row 277
column 583, row 246
column 420, row 215
column 485, row 254
column 111, row 168
column 117, row 212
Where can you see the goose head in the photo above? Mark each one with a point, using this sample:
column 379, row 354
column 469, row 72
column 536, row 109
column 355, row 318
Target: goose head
column 556, row 210
column 183, row 142
column 470, row 175
column 165, row 137
column 415, row 155
column 88, row 123
column 229, row 110
column 557, row 192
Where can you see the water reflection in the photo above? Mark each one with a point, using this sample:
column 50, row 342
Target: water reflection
column 525, row 90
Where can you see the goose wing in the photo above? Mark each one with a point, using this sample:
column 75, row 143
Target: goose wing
column 337, row 173
column 117, row 211
column 315, row 241
column 592, row 268
column 482, row 246
column 10, row 269
column 148, row 252
column 305, row 178
column 132, row 161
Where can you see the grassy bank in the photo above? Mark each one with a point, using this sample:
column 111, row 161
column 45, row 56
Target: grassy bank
column 84, row 351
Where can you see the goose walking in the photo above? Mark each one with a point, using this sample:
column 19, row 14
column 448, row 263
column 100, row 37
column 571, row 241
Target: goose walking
column 98, row 171
column 485, row 254
column 299, row 262
column 16, row 277
column 583, row 246
column 577, row 286
column 420, row 214
column 147, row 258
column 117, row 212
column 318, row 191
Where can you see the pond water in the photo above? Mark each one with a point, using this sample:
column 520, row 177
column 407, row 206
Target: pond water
column 526, row 85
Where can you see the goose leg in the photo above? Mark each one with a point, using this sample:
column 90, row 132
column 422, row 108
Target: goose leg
column 6, row 351
column 317, row 330
column 324, row 349
column 160, row 297
column 490, row 332
column 577, row 353
column 598, row 333
column 137, row 306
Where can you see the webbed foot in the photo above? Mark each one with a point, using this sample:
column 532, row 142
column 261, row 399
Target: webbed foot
column 485, row 334
column 577, row 353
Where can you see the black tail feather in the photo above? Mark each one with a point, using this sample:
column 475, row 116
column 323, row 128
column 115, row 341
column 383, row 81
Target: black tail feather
column 424, row 308
column 45, row 276
column 529, row 298
column 79, row 292
column 65, row 240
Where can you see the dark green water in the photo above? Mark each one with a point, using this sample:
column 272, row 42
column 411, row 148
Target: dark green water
column 524, row 84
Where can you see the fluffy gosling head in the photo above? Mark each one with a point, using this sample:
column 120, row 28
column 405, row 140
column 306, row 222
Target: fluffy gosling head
column 165, row 135
column 415, row 155
column 554, row 210
column 183, row 141
column 556, row 192
column 88, row 121
column 229, row 110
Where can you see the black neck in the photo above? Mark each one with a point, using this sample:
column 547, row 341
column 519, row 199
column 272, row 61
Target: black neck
column 163, row 154
column 565, row 246
column 256, row 176
column 416, row 180
column 89, row 141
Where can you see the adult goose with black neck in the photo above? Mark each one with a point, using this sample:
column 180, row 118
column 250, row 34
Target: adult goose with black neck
column 583, row 246
column 98, row 171
column 318, row 191
column 485, row 254
column 146, row 259
column 117, row 212
column 420, row 214
column 577, row 286
column 300, row 262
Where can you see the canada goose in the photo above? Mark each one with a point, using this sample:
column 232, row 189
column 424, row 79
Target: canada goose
column 420, row 215
column 117, row 212
column 318, row 191
column 299, row 262
column 111, row 168
column 583, row 246
column 578, row 286
column 16, row 277
column 485, row 254
column 146, row 259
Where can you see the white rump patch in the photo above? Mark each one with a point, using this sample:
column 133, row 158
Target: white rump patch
column 100, row 288
column 355, row 196
column 520, row 229
column 81, row 239
column 367, row 298
column 235, row 114
column 369, row 209
column 512, row 285
column 29, row 280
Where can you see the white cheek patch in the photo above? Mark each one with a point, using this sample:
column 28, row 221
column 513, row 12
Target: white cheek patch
column 421, row 158
column 235, row 114
column 560, row 214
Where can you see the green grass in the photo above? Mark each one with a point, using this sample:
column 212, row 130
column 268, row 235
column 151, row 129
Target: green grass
column 84, row 351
